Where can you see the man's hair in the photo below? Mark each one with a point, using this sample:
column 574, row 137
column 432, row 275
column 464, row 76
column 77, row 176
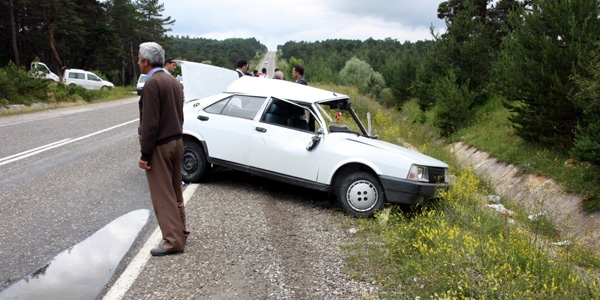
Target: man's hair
column 168, row 61
column 276, row 69
column 264, row 70
column 153, row 52
column 300, row 69
column 241, row 63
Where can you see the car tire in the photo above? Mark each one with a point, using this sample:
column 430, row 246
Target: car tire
column 360, row 194
column 194, row 167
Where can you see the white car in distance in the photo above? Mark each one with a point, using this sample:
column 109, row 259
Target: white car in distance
column 298, row 135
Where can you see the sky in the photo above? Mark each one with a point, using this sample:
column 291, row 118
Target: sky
column 275, row 22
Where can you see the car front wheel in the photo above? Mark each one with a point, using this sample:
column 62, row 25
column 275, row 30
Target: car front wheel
column 360, row 194
column 194, row 167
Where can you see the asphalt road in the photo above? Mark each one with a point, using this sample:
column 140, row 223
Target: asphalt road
column 268, row 63
column 65, row 174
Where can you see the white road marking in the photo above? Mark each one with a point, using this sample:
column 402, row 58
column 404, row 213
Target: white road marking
column 28, row 153
column 133, row 270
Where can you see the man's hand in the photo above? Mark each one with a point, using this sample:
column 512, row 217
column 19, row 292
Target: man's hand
column 144, row 165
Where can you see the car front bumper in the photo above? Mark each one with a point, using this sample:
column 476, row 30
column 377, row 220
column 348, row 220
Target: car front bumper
column 408, row 192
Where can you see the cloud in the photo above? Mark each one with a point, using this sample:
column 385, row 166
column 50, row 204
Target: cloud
column 275, row 22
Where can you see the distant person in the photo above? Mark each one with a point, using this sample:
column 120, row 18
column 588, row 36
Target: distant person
column 170, row 65
column 255, row 73
column 264, row 73
column 278, row 74
column 242, row 67
column 161, row 144
column 298, row 74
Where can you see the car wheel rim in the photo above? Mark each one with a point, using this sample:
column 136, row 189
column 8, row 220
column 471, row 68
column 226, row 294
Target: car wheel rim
column 190, row 163
column 362, row 195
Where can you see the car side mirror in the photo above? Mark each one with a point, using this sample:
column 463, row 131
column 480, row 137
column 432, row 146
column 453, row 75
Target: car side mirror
column 314, row 141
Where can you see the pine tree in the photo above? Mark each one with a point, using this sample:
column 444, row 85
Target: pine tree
column 547, row 46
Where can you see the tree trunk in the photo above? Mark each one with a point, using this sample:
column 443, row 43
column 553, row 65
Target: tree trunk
column 51, row 27
column 123, row 65
column 133, row 67
column 13, row 31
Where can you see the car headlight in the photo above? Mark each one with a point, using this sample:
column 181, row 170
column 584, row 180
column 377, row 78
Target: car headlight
column 418, row 173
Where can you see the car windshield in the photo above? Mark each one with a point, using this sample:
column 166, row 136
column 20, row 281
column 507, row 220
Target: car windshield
column 340, row 120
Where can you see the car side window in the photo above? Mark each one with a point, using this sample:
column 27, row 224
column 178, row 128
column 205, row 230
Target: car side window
column 288, row 115
column 76, row 75
column 92, row 77
column 237, row 106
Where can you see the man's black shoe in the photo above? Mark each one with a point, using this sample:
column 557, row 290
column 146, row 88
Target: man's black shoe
column 160, row 251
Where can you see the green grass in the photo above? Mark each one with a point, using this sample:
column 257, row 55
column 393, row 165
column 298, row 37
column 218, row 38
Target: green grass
column 457, row 247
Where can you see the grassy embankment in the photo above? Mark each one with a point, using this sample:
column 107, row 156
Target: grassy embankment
column 458, row 248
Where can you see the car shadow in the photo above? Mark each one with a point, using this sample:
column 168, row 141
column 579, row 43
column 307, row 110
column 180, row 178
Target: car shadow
column 272, row 188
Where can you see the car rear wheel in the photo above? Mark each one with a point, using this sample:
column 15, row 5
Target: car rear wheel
column 360, row 194
column 194, row 167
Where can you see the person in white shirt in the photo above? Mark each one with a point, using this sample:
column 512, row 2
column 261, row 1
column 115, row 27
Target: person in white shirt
column 264, row 73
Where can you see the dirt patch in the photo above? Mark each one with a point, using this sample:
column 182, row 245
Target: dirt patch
column 534, row 194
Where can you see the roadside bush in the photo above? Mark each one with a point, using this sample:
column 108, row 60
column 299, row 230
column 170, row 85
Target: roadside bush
column 16, row 87
column 453, row 109
column 427, row 74
column 586, row 145
column 360, row 74
column 587, row 142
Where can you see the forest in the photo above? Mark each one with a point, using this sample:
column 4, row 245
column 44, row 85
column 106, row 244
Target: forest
column 103, row 36
column 539, row 56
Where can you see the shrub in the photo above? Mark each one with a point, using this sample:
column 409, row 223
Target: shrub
column 17, row 87
column 360, row 74
column 453, row 110
column 587, row 142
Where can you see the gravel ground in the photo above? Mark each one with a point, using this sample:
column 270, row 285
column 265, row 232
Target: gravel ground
column 255, row 239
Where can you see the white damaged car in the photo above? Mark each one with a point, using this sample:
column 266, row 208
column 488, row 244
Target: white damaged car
column 298, row 135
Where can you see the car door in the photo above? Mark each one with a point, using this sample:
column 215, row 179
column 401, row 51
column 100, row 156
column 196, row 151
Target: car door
column 226, row 127
column 93, row 82
column 281, row 148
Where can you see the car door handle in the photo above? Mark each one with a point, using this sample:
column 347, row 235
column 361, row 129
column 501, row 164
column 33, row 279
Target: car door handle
column 261, row 129
column 202, row 118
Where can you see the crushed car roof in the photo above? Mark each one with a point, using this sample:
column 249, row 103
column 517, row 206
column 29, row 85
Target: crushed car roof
column 281, row 89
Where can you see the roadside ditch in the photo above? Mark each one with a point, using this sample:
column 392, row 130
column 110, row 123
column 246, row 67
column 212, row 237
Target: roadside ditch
column 534, row 194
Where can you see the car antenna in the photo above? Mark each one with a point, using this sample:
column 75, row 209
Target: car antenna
column 333, row 91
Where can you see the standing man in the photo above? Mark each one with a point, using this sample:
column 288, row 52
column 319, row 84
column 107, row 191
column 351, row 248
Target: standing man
column 298, row 74
column 242, row 67
column 161, row 122
column 170, row 65
column 278, row 74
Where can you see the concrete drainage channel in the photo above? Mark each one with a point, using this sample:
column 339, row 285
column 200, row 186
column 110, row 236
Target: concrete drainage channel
column 534, row 194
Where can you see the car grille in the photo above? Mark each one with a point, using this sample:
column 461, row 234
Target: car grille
column 436, row 175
